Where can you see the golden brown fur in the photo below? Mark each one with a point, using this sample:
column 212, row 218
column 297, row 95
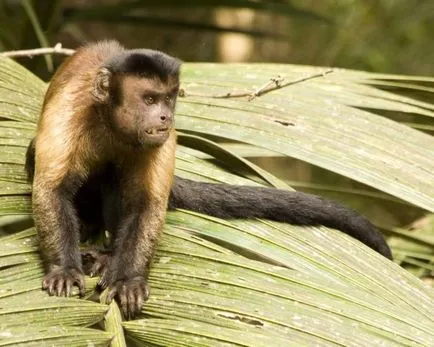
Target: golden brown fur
column 107, row 119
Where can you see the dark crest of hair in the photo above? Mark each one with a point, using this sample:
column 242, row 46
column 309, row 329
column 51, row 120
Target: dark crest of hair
column 145, row 63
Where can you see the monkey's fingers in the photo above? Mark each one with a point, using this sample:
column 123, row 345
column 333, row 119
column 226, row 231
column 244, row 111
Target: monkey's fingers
column 49, row 284
column 103, row 284
column 60, row 281
column 100, row 266
column 95, row 262
column 96, row 269
column 123, row 302
column 130, row 295
column 68, row 288
column 60, row 289
column 111, row 294
column 140, row 298
column 130, row 299
column 80, row 285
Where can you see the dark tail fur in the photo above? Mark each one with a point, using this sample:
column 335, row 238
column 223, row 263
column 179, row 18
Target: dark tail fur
column 230, row 201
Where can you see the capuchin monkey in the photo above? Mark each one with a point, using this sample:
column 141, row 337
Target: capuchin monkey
column 103, row 159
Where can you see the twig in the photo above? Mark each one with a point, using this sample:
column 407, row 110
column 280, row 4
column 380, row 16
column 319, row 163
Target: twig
column 57, row 49
column 183, row 93
column 273, row 84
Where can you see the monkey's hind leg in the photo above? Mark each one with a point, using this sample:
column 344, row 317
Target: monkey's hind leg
column 102, row 193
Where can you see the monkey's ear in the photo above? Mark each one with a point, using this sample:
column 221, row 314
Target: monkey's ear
column 101, row 88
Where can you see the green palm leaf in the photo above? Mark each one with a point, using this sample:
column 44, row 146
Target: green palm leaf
column 242, row 283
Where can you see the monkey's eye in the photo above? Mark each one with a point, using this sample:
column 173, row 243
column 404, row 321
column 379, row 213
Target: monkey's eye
column 168, row 98
column 149, row 100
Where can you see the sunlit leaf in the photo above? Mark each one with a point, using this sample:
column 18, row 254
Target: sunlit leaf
column 249, row 283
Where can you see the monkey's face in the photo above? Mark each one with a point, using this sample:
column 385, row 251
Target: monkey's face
column 143, row 109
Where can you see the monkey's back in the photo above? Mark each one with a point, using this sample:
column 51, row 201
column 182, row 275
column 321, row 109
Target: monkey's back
column 63, row 126
column 75, row 74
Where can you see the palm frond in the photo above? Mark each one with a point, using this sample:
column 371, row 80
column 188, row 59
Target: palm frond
column 250, row 283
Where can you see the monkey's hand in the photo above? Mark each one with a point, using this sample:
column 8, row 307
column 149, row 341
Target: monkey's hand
column 129, row 294
column 96, row 262
column 59, row 281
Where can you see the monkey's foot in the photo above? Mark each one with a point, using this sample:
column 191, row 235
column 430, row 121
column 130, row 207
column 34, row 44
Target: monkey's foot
column 130, row 295
column 59, row 281
column 95, row 262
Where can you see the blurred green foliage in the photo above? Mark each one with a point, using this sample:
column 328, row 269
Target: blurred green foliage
column 392, row 36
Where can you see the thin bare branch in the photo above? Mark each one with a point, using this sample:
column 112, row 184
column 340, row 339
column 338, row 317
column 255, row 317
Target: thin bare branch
column 57, row 49
column 273, row 84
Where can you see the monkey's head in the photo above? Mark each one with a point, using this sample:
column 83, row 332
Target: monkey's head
column 137, row 90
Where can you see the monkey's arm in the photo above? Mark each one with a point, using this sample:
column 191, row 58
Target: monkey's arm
column 55, row 183
column 229, row 201
column 143, row 193
column 58, row 230
column 134, row 247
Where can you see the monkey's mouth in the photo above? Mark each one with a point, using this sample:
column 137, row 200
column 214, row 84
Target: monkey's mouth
column 157, row 131
column 154, row 136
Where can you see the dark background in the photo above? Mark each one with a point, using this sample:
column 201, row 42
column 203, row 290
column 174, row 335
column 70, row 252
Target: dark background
column 391, row 36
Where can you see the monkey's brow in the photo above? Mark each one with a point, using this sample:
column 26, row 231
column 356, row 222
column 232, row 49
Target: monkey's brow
column 161, row 92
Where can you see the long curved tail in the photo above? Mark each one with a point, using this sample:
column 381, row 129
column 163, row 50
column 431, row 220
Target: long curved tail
column 231, row 201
